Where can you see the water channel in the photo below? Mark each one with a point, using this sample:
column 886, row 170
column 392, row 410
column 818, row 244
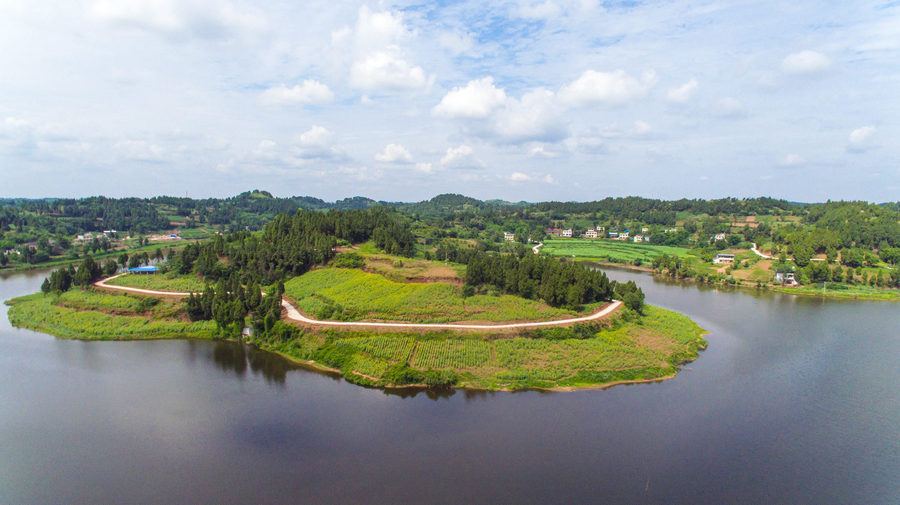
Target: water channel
column 796, row 400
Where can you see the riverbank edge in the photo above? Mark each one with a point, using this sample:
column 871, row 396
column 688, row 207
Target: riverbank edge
column 743, row 286
column 358, row 378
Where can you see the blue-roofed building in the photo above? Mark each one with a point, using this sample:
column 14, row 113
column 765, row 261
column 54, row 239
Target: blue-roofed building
column 143, row 270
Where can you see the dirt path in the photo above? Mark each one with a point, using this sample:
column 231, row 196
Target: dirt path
column 535, row 248
column 296, row 315
column 761, row 255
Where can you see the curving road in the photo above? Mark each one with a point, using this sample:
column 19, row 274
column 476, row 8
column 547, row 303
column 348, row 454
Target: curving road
column 535, row 248
column 295, row 315
column 766, row 256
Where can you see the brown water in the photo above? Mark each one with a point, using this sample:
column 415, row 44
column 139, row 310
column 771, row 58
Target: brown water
column 795, row 401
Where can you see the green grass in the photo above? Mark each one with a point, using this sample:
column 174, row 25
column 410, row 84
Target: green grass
column 631, row 348
column 364, row 295
column 161, row 282
column 608, row 250
column 49, row 314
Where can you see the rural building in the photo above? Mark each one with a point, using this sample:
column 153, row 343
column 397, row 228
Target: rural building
column 717, row 237
column 785, row 278
column 143, row 270
column 567, row 233
column 591, row 233
column 670, row 230
column 613, row 234
column 641, row 238
column 554, row 232
column 509, row 236
column 723, row 259
column 645, row 230
column 624, row 235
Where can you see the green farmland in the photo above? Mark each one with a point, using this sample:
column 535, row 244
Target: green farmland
column 615, row 251
column 350, row 294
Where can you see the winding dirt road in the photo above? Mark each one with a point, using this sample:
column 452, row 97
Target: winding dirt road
column 295, row 315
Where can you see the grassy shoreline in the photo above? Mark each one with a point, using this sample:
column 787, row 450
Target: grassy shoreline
column 628, row 349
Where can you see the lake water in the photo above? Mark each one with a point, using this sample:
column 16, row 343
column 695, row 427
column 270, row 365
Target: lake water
column 795, row 401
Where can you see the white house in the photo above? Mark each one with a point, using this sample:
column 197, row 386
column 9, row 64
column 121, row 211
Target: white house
column 645, row 230
column 718, row 236
column 591, row 233
column 509, row 236
column 723, row 259
column 567, row 233
column 639, row 238
column 785, row 278
column 670, row 230
column 624, row 235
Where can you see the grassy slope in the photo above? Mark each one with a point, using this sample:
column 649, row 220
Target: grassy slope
column 92, row 315
column 162, row 282
column 371, row 296
column 643, row 348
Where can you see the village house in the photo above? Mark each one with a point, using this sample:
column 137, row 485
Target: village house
column 785, row 277
column 567, row 233
column 509, row 236
column 624, row 235
column 670, row 230
column 613, row 234
column 554, row 232
column 591, row 233
column 723, row 259
column 717, row 237
column 641, row 238
column 645, row 230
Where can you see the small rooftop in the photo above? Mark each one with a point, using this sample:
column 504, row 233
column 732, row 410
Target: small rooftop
column 143, row 269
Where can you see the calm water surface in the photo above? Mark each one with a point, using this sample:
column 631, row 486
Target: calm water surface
column 795, row 401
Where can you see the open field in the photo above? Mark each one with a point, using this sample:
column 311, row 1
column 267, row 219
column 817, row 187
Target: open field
column 632, row 348
column 351, row 295
column 608, row 250
column 840, row 290
column 162, row 282
column 91, row 315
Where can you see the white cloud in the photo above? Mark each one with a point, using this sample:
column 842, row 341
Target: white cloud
column 139, row 150
column 179, row 18
column 461, row 157
column 394, row 153
column 317, row 136
column 805, row 63
column 549, row 179
column 384, row 71
column 519, row 177
column 538, row 116
column 376, row 30
column 729, row 107
column 542, row 152
column 683, row 93
column 423, row 167
column 457, row 43
column 311, row 92
column 478, row 99
column 861, row 139
column 613, row 88
column 792, row 160
column 642, row 127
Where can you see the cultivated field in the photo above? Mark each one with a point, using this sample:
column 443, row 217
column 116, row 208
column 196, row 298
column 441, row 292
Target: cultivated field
column 352, row 295
column 161, row 282
column 608, row 250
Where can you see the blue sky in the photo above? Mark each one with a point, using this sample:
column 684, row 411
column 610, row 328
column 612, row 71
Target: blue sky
column 523, row 100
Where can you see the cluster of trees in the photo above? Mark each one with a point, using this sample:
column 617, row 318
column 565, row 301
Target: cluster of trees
column 228, row 304
column 539, row 277
column 88, row 272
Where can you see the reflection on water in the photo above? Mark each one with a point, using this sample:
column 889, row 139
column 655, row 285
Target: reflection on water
column 237, row 358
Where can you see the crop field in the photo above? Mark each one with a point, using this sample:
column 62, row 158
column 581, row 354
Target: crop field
column 350, row 294
column 608, row 250
column 41, row 312
column 161, row 282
